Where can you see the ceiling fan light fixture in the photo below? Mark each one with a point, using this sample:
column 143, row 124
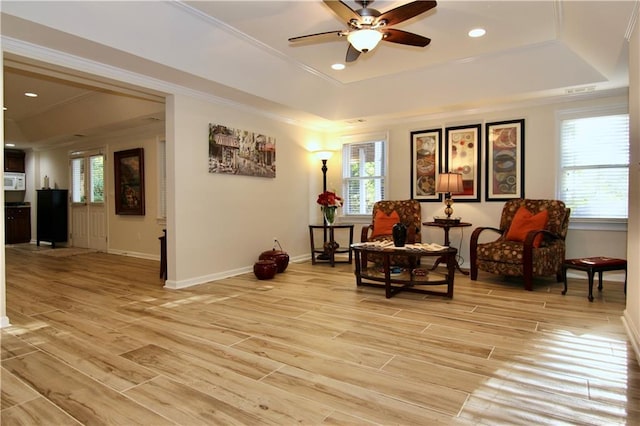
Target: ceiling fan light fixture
column 364, row 40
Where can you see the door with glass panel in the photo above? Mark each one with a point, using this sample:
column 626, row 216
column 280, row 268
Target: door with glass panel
column 88, row 208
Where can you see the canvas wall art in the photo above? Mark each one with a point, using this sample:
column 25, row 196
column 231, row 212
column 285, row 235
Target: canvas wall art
column 241, row 152
column 505, row 160
column 426, row 147
column 463, row 156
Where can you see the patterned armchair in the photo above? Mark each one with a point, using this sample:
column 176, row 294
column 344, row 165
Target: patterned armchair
column 522, row 258
column 408, row 213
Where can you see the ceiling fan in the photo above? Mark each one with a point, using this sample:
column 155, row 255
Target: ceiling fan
column 367, row 27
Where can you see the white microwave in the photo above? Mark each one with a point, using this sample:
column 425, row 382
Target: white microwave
column 14, row 181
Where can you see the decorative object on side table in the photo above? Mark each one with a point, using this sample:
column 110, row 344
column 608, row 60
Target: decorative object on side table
column 280, row 257
column 399, row 232
column 329, row 203
column 449, row 183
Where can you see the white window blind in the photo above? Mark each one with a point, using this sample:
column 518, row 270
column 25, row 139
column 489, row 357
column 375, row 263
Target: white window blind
column 594, row 162
column 364, row 175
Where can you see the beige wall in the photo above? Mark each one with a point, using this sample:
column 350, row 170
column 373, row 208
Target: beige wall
column 632, row 313
column 219, row 224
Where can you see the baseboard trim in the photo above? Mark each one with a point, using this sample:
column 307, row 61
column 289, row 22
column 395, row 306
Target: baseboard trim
column 4, row 322
column 134, row 254
column 177, row 285
column 633, row 333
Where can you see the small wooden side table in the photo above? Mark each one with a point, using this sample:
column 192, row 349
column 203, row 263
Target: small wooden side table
column 591, row 265
column 446, row 226
column 330, row 248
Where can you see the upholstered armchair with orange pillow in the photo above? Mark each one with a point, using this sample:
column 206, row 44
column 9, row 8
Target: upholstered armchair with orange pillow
column 530, row 243
column 387, row 213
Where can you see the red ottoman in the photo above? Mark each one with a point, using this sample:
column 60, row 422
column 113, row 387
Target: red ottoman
column 592, row 265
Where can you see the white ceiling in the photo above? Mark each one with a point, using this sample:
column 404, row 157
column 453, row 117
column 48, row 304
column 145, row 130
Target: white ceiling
column 239, row 50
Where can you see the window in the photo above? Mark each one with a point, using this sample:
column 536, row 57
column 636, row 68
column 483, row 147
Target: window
column 594, row 164
column 96, row 174
column 79, row 165
column 363, row 175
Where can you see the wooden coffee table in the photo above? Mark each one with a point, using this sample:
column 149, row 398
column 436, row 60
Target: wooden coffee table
column 412, row 278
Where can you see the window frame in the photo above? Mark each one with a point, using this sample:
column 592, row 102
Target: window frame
column 363, row 138
column 85, row 158
column 601, row 224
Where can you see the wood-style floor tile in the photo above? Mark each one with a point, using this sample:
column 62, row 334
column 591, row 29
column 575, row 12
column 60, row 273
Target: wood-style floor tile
column 96, row 339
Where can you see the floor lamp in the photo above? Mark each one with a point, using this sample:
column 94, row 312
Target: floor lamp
column 324, row 156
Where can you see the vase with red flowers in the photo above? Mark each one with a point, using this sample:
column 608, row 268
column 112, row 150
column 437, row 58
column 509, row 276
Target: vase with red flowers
column 329, row 203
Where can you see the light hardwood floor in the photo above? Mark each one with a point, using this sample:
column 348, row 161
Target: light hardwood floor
column 95, row 339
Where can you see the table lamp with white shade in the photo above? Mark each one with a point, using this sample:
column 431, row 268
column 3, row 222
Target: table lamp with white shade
column 449, row 183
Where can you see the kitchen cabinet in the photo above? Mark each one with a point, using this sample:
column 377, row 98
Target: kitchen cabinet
column 14, row 160
column 17, row 225
column 52, row 220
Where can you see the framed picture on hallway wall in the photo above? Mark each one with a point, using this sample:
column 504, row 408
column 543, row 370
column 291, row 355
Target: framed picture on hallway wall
column 129, row 181
column 463, row 156
column 505, row 160
column 426, row 149
column 241, row 152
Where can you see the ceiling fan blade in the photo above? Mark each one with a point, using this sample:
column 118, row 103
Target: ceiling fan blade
column 352, row 54
column 317, row 35
column 403, row 37
column 342, row 10
column 404, row 12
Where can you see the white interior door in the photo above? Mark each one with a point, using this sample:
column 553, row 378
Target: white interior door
column 88, row 207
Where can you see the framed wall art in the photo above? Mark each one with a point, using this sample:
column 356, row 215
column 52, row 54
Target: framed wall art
column 463, row 156
column 129, row 181
column 426, row 148
column 241, row 152
column 505, row 160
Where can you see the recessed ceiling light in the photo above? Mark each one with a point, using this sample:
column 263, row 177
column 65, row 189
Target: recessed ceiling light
column 477, row 32
column 31, row 95
column 337, row 67
column 10, row 145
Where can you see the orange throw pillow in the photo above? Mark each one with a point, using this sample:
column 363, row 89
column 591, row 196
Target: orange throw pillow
column 383, row 223
column 523, row 222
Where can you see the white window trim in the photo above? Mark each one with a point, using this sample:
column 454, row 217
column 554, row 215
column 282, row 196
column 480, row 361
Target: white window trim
column 161, row 218
column 615, row 225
